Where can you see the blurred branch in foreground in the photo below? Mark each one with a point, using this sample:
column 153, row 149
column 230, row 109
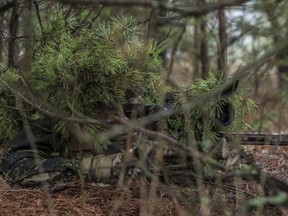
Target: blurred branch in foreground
column 195, row 11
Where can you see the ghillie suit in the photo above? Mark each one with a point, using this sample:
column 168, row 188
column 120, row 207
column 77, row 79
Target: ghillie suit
column 79, row 82
column 21, row 166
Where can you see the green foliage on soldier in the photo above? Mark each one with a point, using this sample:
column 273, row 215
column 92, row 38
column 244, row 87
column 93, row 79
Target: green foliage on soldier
column 82, row 76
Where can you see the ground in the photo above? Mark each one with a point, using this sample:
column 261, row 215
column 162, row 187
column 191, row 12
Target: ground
column 139, row 198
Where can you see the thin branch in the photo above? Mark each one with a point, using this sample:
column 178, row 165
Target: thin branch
column 52, row 114
column 38, row 14
column 12, row 108
column 245, row 71
column 97, row 15
column 5, row 7
column 195, row 12
column 83, row 21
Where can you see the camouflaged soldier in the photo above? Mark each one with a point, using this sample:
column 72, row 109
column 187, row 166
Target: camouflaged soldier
column 33, row 158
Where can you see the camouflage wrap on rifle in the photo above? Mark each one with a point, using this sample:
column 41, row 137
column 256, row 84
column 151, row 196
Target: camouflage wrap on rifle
column 100, row 168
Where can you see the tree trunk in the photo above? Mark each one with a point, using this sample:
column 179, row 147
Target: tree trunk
column 13, row 25
column 26, row 61
column 282, row 75
column 1, row 41
column 222, row 56
column 282, row 66
column 195, row 51
column 203, row 45
column 204, row 50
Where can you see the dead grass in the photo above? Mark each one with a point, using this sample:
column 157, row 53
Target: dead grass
column 130, row 199
column 76, row 200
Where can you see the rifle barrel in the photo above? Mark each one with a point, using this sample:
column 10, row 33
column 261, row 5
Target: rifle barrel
column 260, row 138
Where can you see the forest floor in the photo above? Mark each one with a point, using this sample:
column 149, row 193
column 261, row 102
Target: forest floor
column 143, row 198
column 73, row 198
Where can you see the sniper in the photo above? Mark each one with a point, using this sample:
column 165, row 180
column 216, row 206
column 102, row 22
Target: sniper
column 34, row 156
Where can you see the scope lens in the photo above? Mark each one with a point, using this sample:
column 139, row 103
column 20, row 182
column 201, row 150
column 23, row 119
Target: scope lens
column 227, row 115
